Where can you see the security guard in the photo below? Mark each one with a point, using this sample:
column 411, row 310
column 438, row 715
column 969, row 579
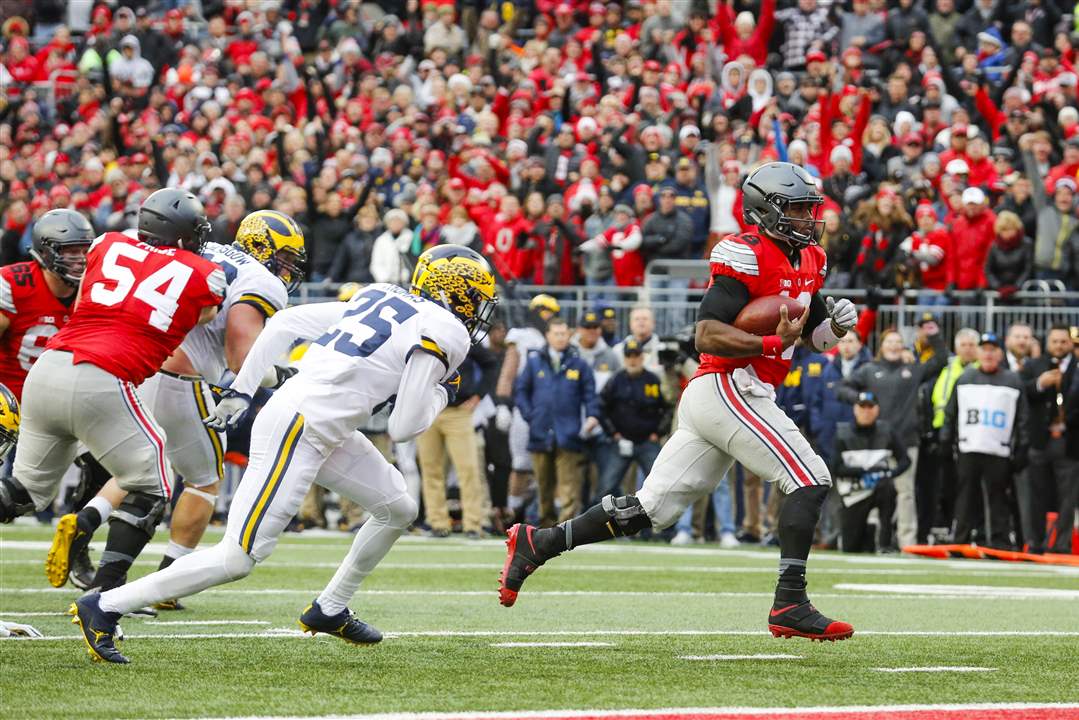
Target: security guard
column 635, row 415
column 868, row 454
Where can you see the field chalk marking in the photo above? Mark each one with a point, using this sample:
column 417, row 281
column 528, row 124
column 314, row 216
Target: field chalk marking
column 936, row 669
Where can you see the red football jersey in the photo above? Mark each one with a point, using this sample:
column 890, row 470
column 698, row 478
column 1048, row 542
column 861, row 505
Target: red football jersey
column 34, row 314
column 136, row 304
column 765, row 269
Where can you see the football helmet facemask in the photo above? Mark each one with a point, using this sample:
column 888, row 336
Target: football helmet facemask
column 461, row 280
column 275, row 240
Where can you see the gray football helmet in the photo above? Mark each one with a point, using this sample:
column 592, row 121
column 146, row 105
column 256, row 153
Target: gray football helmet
column 768, row 194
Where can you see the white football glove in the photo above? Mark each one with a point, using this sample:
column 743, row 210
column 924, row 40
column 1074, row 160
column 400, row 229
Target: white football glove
column 503, row 418
column 13, row 629
column 229, row 411
column 843, row 313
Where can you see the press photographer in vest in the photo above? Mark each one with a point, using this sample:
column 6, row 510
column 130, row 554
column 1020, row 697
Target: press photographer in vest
column 986, row 419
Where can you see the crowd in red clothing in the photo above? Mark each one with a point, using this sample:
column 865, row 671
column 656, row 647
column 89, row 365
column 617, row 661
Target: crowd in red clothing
column 544, row 132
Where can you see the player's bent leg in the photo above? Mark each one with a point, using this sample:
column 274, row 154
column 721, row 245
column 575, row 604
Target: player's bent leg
column 359, row 472
column 69, row 554
column 687, row 468
column 98, row 614
column 131, row 526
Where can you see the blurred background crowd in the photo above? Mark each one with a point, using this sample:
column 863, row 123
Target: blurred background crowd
column 577, row 143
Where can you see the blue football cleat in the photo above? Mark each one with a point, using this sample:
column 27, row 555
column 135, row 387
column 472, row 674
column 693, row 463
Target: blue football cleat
column 98, row 628
column 343, row 625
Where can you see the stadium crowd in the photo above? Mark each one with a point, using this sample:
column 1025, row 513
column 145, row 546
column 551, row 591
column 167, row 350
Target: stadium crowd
column 574, row 142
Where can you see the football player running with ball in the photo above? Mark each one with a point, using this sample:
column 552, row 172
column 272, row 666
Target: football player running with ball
column 385, row 345
column 728, row 412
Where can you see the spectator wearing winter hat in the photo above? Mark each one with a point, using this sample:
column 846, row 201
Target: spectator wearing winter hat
column 391, row 259
column 692, row 197
column 972, row 234
column 882, row 223
column 924, row 256
column 745, row 33
column 621, row 242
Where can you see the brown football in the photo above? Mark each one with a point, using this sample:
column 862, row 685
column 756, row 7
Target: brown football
column 760, row 316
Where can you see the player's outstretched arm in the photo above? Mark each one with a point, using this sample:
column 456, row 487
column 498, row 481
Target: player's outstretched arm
column 303, row 322
column 420, row 397
column 723, row 340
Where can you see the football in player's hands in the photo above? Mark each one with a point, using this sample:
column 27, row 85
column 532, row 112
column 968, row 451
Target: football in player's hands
column 761, row 316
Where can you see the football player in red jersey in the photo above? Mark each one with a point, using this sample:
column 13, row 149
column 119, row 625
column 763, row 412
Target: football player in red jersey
column 728, row 411
column 137, row 300
column 36, row 296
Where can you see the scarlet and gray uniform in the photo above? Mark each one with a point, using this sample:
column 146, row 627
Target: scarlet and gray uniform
column 181, row 402
column 34, row 315
column 136, row 303
column 728, row 411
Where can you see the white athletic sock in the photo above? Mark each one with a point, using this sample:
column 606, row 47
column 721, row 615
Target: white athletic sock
column 370, row 545
column 190, row 574
column 102, row 505
column 177, row 551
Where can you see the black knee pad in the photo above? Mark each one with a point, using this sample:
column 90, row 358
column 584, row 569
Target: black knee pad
column 140, row 510
column 802, row 507
column 92, row 477
column 626, row 513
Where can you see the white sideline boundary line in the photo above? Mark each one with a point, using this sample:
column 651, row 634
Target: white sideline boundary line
column 936, row 669
column 740, row 710
column 296, row 634
column 1000, row 593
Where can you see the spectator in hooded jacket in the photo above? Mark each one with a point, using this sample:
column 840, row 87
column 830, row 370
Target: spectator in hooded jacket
column 924, row 255
column 1058, row 230
column 1008, row 264
column 972, row 235
column 553, row 392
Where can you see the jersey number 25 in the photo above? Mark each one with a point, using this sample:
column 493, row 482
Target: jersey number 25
column 375, row 317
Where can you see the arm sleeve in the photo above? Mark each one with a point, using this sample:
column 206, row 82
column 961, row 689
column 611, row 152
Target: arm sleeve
column 420, row 397
column 724, row 300
column 818, row 313
column 303, row 322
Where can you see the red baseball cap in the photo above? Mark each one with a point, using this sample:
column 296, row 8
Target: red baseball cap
column 816, row 56
column 457, row 184
column 653, row 66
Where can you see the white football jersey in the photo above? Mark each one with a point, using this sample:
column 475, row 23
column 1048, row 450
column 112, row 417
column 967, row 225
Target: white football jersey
column 526, row 339
column 247, row 281
column 351, row 372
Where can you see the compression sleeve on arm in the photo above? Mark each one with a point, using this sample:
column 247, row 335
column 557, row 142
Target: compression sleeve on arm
column 724, row 300
column 420, row 397
column 303, row 322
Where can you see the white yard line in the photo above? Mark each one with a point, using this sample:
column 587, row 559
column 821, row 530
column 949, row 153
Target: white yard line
column 761, row 656
column 976, row 592
column 1001, row 593
column 290, row 633
column 207, row 622
column 936, row 669
column 551, row 644
column 687, row 712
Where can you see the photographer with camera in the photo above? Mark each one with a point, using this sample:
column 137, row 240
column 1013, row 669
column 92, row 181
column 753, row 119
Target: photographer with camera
column 868, row 455
column 1049, row 480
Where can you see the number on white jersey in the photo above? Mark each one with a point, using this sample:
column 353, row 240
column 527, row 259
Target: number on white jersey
column 33, row 344
column 379, row 316
column 164, row 304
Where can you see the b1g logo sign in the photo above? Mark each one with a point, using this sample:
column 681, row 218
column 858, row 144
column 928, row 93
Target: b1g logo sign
column 988, row 417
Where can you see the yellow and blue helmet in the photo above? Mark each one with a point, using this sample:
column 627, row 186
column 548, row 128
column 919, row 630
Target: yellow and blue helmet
column 275, row 240
column 9, row 421
column 545, row 302
column 461, row 280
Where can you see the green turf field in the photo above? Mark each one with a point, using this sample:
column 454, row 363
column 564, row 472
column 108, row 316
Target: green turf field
column 641, row 608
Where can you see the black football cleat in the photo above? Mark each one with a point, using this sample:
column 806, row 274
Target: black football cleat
column 803, row 620
column 343, row 625
column 82, row 570
column 98, row 628
column 522, row 559
column 68, row 542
